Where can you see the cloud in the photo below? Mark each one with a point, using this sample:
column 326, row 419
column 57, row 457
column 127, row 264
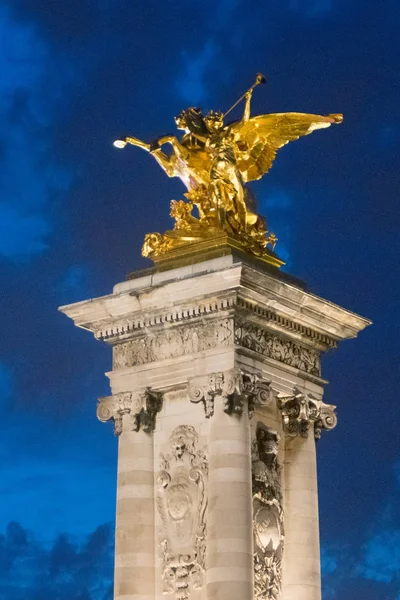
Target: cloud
column 32, row 88
column 191, row 85
column 65, row 570
column 370, row 568
column 381, row 560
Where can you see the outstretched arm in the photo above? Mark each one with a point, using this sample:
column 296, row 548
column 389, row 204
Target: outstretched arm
column 122, row 142
column 246, row 114
column 154, row 148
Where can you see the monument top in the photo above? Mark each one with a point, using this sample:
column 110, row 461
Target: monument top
column 215, row 160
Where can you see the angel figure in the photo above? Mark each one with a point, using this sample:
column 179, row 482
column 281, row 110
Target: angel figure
column 215, row 161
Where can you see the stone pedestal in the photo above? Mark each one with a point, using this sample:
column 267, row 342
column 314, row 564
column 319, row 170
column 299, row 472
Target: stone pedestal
column 217, row 401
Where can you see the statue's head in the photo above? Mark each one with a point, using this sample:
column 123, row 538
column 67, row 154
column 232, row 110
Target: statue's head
column 192, row 120
column 214, row 121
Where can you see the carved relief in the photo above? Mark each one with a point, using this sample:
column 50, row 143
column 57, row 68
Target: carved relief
column 182, row 503
column 173, row 342
column 233, row 387
column 300, row 410
column 279, row 348
column 267, row 514
column 141, row 406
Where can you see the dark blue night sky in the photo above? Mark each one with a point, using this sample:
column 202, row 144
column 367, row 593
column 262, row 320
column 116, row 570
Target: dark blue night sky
column 76, row 74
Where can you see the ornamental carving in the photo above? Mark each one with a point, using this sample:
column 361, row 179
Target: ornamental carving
column 267, row 514
column 141, row 406
column 172, row 342
column 233, row 387
column 300, row 410
column 181, row 503
column 262, row 341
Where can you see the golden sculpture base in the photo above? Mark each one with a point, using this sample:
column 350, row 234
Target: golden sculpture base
column 213, row 246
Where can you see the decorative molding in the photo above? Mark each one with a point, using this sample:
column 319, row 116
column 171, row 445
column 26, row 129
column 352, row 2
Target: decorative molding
column 141, row 406
column 300, row 410
column 233, row 387
column 261, row 340
column 187, row 313
column 135, row 325
column 267, row 514
column 182, row 503
column 286, row 323
column 173, row 342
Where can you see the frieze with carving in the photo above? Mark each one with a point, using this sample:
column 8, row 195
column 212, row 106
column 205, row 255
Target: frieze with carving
column 173, row 342
column 300, row 410
column 267, row 343
column 181, row 503
column 142, row 407
column 233, row 387
column 267, row 514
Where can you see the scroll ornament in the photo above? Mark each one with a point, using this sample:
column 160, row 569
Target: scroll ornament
column 233, row 387
column 267, row 514
column 141, row 406
column 182, row 503
column 300, row 410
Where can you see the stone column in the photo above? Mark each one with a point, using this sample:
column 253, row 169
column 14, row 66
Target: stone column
column 135, row 529
column 303, row 417
column 134, row 415
column 229, row 531
column 168, row 328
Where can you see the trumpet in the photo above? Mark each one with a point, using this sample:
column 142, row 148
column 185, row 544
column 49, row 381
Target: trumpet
column 259, row 79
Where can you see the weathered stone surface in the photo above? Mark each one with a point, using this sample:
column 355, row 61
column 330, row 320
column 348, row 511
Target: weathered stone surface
column 216, row 388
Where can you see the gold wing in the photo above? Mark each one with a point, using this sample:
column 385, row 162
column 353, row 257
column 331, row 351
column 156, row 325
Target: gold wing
column 258, row 139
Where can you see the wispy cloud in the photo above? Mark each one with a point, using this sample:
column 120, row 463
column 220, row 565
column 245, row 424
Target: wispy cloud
column 192, row 84
column 381, row 560
column 32, row 86
column 63, row 569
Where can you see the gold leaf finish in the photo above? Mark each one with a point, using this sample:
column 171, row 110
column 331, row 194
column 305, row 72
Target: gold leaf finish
column 215, row 161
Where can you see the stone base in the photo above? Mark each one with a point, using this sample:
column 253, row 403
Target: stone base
column 216, row 399
column 213, row 246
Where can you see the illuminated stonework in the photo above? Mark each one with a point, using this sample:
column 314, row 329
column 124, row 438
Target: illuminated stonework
column 216, row 393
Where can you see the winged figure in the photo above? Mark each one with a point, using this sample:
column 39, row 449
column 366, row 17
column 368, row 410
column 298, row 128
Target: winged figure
column 215, row 161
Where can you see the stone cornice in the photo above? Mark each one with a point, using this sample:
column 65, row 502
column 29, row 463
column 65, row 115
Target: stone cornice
column 135, row 325
column 182, row 294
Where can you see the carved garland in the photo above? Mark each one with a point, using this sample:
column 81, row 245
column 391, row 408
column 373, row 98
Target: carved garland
column 267, row 514
column 181, row 504
column 173, row 342
column 190, row 339
column 263, row 341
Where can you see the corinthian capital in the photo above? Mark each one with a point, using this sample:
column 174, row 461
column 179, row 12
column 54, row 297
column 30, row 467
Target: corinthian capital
column 300, row 410
column 233, row 387
column 141, row 406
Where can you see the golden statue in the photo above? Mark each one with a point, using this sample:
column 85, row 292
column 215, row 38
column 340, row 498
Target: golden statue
column 215, row 161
